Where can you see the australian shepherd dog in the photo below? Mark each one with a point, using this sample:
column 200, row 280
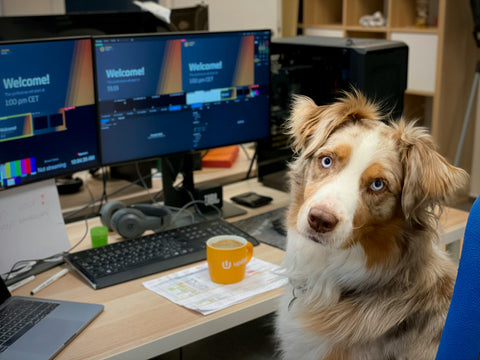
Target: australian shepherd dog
column 367, row 278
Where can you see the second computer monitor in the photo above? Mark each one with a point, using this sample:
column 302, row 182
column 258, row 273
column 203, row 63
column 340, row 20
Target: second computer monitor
column 48, row 124
column 166, row 94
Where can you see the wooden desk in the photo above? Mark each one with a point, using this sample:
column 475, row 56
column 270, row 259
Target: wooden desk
column 138, row 324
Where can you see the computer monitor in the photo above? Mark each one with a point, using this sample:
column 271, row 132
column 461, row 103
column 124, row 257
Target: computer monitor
column 48, row 124
column 167, row 94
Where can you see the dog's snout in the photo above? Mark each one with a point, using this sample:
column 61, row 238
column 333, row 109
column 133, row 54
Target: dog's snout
column 322, row 220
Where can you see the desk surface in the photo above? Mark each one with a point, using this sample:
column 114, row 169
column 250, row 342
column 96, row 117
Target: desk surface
column 136, row 323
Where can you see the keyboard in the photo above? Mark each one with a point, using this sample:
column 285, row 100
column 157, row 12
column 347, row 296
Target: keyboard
column 18, row 317
column 130, row 259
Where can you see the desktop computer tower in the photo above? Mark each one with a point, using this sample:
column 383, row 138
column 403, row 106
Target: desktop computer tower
column 322, row 67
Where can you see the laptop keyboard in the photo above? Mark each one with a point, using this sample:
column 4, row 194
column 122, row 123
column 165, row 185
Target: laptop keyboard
column 18, row 317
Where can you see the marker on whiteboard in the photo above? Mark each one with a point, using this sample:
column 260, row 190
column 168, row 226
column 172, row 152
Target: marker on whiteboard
column 49, row 281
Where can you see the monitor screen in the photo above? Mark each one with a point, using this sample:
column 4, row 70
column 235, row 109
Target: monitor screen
column 172, row 93
column 48, row 120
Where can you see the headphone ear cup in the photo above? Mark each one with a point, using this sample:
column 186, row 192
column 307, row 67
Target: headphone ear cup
column 108, row 210
column 128, row 223
column 157, row 216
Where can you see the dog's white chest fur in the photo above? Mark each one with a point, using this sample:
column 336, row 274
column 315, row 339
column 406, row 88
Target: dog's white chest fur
column 314, row 282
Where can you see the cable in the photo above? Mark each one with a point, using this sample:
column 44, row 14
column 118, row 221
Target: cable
column 69, row 215
column 144, row 184
column 31, row 263
column 247, row 155
column 81, row 240
column 251, row 164
column 193, row 202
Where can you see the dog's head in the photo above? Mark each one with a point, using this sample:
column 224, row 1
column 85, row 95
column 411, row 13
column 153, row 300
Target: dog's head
column 358, row 180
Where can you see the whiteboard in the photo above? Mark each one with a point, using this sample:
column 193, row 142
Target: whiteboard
column 31, row 223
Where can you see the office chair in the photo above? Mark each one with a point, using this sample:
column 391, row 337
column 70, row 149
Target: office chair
column 461, row 335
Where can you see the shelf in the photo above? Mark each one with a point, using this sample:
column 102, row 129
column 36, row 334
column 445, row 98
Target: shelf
column 419, row 93
column 413, row 29
column 355, row 9
column 418, row 107
column 322, row 12
column 403, row 13
column 366, row 28
column 440, row 56
column 329, row 26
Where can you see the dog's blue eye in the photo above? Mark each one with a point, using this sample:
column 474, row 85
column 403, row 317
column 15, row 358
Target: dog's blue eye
column 377, row 185
column 326, row 162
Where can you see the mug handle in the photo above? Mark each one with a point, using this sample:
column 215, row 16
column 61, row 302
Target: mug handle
column 249, row 251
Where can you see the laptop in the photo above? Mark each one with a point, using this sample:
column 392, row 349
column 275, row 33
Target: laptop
column 51, row 325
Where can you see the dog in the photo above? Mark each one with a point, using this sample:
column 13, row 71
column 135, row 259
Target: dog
column 367, row 278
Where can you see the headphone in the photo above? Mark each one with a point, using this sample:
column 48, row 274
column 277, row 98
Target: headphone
column 131, row 221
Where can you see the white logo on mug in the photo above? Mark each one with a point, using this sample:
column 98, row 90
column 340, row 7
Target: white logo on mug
column 240, row 262
column 226, row 264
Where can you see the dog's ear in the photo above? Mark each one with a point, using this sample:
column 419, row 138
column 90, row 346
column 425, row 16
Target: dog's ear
column 304, row 117
column 429, row 179
column 310, row 124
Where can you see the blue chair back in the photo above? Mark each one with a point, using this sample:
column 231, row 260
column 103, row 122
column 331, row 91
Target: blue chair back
column 461, row 335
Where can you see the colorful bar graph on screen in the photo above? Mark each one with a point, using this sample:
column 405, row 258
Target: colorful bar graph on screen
column 12, row 172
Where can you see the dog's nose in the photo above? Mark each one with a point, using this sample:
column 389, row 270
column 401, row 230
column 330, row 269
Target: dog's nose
column 321, row 220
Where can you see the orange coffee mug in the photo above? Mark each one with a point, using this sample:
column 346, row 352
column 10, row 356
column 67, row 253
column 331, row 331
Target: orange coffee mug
column 227, row 257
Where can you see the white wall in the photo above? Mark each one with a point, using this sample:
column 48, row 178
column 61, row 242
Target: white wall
column 224, row 15
column 31, row 7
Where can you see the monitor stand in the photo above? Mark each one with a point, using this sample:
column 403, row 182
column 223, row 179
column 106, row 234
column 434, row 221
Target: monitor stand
column 183, row 164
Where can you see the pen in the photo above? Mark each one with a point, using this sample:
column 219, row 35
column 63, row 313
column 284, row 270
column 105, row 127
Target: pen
column 49, row 281
column 21, row 283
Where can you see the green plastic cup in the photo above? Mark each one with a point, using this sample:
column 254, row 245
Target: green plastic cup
column 99, row 235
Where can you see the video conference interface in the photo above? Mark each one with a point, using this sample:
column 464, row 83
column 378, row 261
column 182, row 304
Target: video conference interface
column 168, row 94
column 155, row 95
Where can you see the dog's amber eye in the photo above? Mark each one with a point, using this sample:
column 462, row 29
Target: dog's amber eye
column 326, row 162
column 377, row 185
